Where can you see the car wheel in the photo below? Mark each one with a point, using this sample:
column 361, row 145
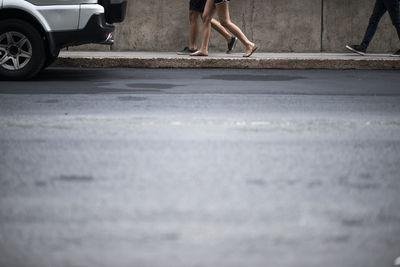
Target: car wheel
column 22, row 50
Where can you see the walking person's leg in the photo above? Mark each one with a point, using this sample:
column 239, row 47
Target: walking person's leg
column 208, row 14
column 393, row 7
column 224, row 17
column 200, row 5
column 195, row 11
column 216, row 25
column 230, row 39
column 194, row 32
column 379, row 11
column 194, row 28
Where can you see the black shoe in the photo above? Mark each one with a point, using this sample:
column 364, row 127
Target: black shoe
column 357, row 49
column 186, row 51
column 232, row 44
column 396, row 54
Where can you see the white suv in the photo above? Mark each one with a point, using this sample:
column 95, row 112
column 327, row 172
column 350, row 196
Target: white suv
column 32, row 32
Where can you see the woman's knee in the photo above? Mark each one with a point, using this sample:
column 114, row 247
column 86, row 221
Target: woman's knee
column 225, row 23
column 193, row 16
column 206, row 18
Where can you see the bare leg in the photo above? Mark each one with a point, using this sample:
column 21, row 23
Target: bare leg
column 194, row 28
column 224, row 17
column 208, row 14
column 219, row 28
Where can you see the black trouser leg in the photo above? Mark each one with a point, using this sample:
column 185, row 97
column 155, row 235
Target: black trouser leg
column 393, row 7
column 379, row 10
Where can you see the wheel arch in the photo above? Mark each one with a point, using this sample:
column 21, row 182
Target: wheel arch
column 12, row 13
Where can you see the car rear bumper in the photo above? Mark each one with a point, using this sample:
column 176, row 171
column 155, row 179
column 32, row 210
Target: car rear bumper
column 96, row 31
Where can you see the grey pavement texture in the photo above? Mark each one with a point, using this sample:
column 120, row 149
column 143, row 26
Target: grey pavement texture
column 91, row 59
column 141, row 167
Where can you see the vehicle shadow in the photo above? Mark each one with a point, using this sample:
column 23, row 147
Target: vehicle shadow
column 61, row 81
column 83, row 81
column 71, row 75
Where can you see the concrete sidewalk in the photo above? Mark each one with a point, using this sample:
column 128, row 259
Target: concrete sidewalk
column 222, row 60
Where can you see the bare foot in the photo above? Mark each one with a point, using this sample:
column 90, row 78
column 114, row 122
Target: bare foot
column 250, row 50
column 199, row 54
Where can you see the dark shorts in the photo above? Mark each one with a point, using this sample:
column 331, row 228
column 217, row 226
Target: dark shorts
column 197, row 5
column 220, row 1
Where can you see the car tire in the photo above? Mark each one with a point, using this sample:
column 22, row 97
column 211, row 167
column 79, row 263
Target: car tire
column 22, row 50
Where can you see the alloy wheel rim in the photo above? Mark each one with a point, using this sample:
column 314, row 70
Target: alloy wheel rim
column 15, row 50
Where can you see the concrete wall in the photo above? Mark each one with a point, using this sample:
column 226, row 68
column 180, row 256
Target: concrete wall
column 275, row 25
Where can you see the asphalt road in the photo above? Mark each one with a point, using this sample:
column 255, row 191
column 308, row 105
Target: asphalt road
column 181, row 168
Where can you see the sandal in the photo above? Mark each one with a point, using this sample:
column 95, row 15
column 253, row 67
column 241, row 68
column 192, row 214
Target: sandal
column 251, row 52
column 198, row 54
